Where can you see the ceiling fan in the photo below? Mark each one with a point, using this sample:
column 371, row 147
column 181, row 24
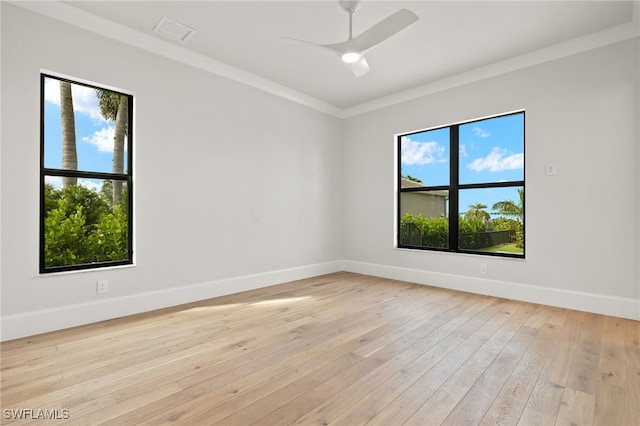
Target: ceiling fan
column 352, row 51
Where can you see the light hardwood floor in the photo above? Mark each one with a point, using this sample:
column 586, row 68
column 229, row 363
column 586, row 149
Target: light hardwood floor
column 340, row 349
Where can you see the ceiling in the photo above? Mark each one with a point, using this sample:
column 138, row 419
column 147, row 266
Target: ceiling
column 450, row 38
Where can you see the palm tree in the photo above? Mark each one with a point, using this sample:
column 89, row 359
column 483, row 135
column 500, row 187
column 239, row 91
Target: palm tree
column 69, row 153
column 114, row 106
column 510, row 208
column 478, row 210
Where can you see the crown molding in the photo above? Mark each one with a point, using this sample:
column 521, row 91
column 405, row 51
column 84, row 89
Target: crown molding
column 73, row 16
column 79, row 18
column 571, row 47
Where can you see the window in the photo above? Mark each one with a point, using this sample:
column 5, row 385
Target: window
column 86, row 189
column 461, row 187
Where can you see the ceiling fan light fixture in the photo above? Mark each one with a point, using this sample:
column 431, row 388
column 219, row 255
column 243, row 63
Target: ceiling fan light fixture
column 352, row 50
column 351, row 57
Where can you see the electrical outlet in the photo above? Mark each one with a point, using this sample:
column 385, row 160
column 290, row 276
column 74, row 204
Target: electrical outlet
column 484, row 269
column 551, row 169
column 102, row 286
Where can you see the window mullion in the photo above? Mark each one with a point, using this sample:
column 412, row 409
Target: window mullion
column 85, row 174
column 453, row 187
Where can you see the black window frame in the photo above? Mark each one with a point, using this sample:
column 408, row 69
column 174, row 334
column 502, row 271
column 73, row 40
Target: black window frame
column 126, row 177
column 454, row 188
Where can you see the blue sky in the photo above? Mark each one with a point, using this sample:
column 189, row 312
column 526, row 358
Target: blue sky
column 94, row 134
column 491, row 150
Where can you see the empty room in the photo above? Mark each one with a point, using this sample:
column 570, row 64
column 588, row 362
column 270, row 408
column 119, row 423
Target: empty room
column 320, row 212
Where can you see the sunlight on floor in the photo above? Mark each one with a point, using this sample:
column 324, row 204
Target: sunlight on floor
column 262, row 303
column 281, row 301
column 198, row 309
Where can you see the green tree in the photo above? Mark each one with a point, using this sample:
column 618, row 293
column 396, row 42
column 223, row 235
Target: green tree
column 472, row 232
column 506, row 224
column 114, row 107
column 72, row 216
column 471, row 225
column 478, row 210
column 68, row 122
column 109, row 240
column 51, row 197
column 434, row 231
column 511, row 208
column 64, row 236
column 93, row 204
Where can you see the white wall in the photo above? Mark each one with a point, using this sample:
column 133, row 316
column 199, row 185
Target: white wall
column 582, row 225
column 234, row 188
column 259, row 186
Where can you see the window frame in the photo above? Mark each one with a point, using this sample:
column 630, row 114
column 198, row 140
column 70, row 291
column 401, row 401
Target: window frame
column 126, row 177
column 455, row 187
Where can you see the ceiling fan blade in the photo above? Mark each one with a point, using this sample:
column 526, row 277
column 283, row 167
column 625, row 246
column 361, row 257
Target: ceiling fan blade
column 360, row 68
column 337, row 48
column 366, row 40
column 290, row 40
column 382, row 30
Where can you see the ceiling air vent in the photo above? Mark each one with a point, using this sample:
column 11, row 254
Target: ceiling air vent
column 174, row 30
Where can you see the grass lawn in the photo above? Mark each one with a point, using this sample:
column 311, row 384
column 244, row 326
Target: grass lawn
column 504, row 248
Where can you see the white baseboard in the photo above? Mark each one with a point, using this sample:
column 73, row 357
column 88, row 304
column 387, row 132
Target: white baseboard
column 581, row 301
column 42, row 321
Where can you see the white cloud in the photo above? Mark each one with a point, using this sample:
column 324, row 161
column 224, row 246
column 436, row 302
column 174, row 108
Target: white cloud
column 84, row 98
column 86, row 102
column 52, row 91
column 421, row 153
column 463, row 150
column 55, row 181
column 497, row 161
column 102, row 139
column 90, row 184
column 480, row 132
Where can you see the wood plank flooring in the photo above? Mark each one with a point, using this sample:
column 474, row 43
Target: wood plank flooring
column 339, row 349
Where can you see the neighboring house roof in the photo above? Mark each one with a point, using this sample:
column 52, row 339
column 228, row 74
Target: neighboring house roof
column 406, row 183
